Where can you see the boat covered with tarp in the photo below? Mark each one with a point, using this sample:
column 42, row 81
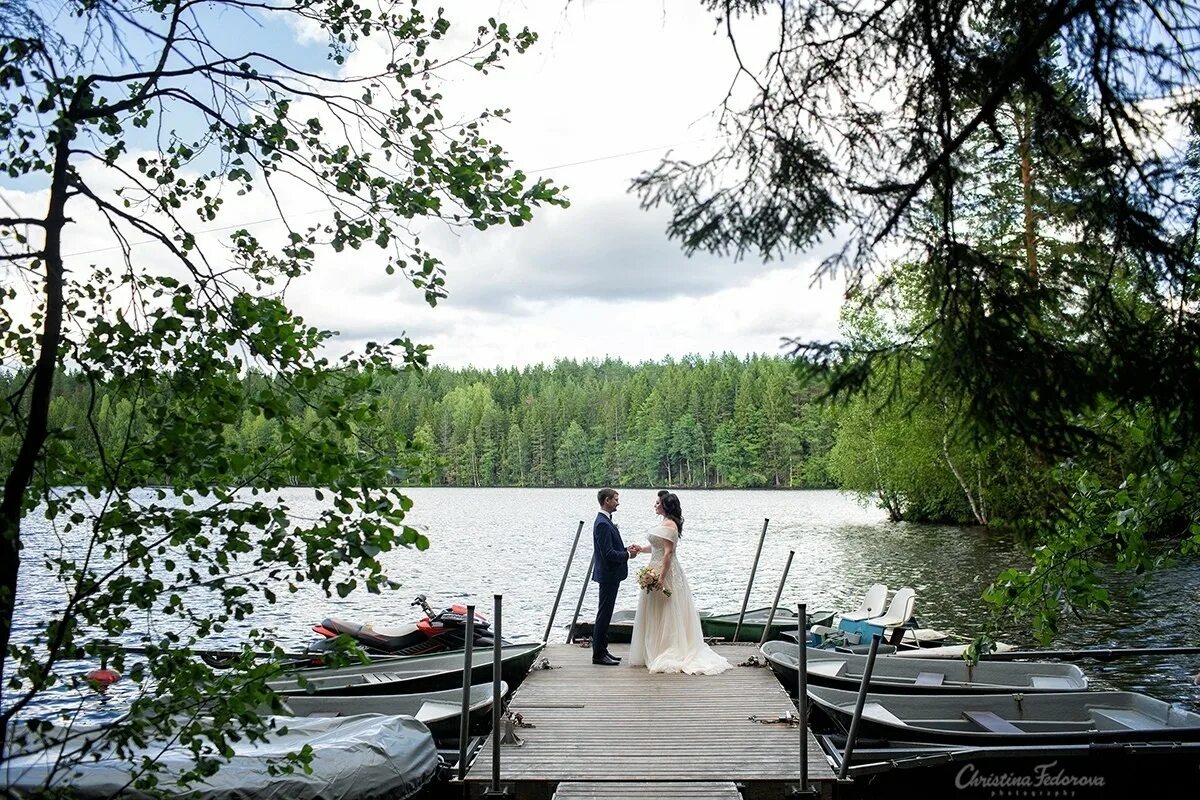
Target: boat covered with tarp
column 362, row 756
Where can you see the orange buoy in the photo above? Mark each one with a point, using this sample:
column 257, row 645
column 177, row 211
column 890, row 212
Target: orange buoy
column 102, row 678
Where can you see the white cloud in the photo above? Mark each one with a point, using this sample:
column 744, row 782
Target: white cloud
column 610, row 87
column 598, row 279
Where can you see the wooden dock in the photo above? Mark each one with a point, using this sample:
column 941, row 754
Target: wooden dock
column 620, row 732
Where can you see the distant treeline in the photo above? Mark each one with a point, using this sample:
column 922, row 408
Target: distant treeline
column 721, row 421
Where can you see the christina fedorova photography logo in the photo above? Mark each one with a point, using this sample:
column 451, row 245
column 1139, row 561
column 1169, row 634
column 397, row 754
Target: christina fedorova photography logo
column 1047, row 779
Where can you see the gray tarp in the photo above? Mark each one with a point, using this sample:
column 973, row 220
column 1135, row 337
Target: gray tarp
column 358, row 757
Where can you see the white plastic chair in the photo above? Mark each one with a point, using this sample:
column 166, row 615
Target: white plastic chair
column 900, row 610
column 871, row 605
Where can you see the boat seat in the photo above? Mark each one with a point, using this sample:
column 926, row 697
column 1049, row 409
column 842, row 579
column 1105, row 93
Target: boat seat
column 829, row 668
column 434, row 710
column 1122, row 719
column 378, row 677
column 871, row 605
column 990, row 721
column 930, row 678
column 876, row 711
column 1053, row 682
column 899, row 610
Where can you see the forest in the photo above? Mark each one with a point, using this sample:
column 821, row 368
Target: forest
column 722, row 421
column 717, row 422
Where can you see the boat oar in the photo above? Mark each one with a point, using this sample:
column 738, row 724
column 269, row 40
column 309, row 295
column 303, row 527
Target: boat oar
column 771, row 617
column 1100, row 654
column 737, row 629
column 563, row 583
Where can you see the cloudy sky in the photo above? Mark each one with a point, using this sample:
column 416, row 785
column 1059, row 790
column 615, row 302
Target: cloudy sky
column 611, row 86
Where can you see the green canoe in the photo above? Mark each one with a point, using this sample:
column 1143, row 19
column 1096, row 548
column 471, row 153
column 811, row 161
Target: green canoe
column 723, row 625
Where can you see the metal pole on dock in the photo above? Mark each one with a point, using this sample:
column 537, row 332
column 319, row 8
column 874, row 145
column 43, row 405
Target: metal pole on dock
column 563, row 583
column 753, row 570
column 587, row 577
column 858, row 707
column 775, row 605
column 496, row 699
column 802, row 697
column 464, row 728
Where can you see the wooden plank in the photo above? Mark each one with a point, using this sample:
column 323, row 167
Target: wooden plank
column 663, row 790
column 606, row 724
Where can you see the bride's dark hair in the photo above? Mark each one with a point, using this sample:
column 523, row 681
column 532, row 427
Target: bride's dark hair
column 672, row 510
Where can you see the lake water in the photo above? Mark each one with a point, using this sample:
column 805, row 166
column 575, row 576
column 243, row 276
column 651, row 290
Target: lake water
column 516, row 542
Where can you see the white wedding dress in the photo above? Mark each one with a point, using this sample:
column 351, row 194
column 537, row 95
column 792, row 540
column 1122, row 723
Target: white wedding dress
column 666, row 631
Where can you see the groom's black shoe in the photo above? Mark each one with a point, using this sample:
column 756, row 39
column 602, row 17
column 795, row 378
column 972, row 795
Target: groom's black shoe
column 606, row 660
column 614, row 658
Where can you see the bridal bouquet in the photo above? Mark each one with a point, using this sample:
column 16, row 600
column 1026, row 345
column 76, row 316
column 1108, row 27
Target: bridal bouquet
column 649, row 579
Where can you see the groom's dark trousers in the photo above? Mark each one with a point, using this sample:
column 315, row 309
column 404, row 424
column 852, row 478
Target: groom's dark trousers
column 612, row 567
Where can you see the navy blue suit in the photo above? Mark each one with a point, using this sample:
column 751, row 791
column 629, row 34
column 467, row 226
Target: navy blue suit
column 612, row 567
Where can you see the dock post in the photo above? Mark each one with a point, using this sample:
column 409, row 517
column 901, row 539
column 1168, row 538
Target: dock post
column 803, row 790
column 464, row 728
column 587, row 577
column 753, row 570
column 771, row 618
column 495, row 790
column 863, row 688
column 563, row 583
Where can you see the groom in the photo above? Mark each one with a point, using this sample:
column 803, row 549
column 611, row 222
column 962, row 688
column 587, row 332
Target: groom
column 612, row 567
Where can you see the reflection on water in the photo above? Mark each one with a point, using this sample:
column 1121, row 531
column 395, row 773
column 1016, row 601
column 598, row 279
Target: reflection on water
column 516, row 542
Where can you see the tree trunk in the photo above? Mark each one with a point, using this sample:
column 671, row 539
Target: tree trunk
column 21, row 473
column 1025, row 132
column 977, row 509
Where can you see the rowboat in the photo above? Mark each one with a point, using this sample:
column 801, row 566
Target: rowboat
column 722, row 626
column 441, row 712
column 367, row 755
column 1018, row 718
column 620, row 628
column 409, row 674
column 920, row 675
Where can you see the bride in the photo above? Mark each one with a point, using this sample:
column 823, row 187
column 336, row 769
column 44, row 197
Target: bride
column 666, row 630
